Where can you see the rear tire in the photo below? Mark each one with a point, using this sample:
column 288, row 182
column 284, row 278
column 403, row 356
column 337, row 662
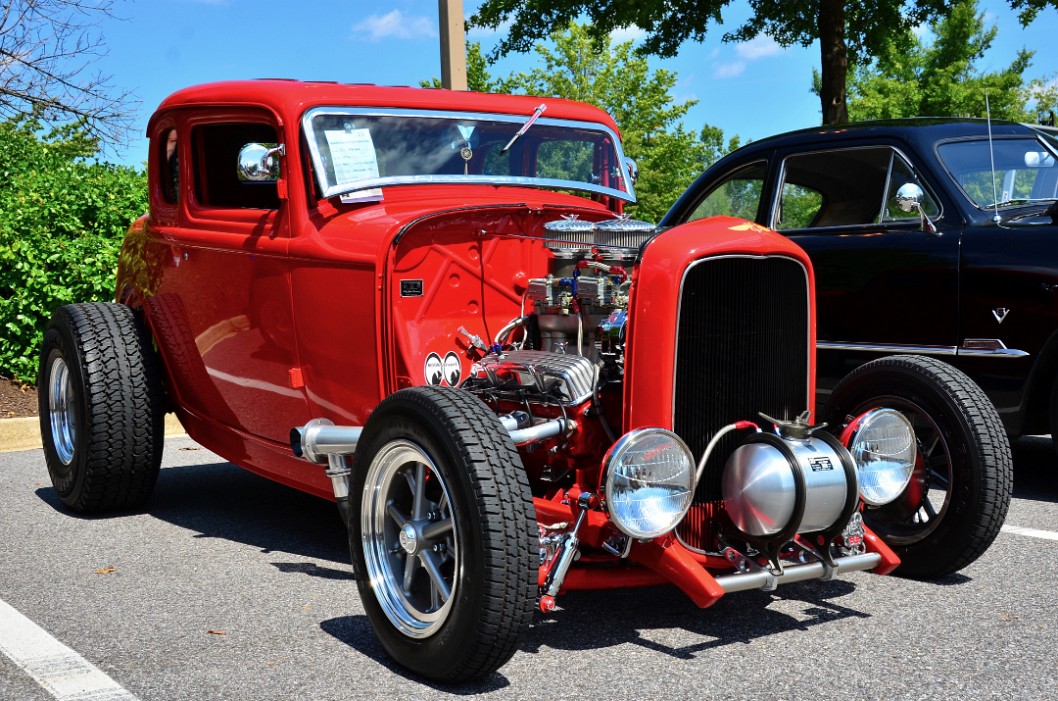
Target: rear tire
column 960, row 491
column 1053, row 424
column 100, row 400
column 441, row 534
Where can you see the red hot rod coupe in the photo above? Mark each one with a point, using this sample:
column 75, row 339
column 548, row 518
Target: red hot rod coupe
column 429, row 307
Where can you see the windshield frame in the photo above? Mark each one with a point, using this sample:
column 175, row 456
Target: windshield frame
column 516, row 121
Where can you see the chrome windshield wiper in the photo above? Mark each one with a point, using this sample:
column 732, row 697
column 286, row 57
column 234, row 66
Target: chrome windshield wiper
column 525, row 127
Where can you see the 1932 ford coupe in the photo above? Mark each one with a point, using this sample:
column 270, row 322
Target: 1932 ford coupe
column 429, row 307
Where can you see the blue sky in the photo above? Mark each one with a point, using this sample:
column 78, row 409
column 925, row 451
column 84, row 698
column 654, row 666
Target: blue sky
column 752, row 90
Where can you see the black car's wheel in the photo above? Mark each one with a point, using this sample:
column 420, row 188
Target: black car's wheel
column 1054, row 414
column 441, row 534
column 101, row 407
column 957, row 499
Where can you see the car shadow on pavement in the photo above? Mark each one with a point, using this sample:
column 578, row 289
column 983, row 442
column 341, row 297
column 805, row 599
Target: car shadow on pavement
column 1035, row 468
column 219, row 500
column 579, row 626
column 732, row 620
column 356, row 632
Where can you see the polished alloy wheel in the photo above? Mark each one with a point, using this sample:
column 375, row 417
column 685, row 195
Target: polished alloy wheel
column 62, row 410
column 410, row 539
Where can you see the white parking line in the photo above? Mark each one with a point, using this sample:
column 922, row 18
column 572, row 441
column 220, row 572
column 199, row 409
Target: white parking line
column 1031, row 532
column 62, row 672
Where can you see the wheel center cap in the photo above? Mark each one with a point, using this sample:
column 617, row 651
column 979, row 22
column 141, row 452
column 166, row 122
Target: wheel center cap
column 408, row 539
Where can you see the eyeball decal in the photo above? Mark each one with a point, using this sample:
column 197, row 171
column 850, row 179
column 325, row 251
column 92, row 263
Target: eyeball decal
column 433, row 369
column 443, row 372
column 453, row 369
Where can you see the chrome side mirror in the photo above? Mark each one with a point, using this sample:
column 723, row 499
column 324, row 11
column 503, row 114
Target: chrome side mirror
column 909, row 199
column 632, row 168
column 258, row 162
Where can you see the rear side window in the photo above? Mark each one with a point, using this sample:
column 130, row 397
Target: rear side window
column 215, row 149
column 846, row 187
column 737, row 196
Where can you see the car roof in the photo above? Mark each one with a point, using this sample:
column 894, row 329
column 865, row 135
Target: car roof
column 916, row 130
column 290, row 98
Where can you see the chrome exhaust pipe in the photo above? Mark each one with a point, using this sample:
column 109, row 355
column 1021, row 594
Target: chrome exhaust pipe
column 319, row 438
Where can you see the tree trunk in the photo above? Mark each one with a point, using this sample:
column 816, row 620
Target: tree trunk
column 834, row 62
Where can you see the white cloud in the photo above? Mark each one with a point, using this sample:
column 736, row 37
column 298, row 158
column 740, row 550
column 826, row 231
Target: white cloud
column 729, row 70
column 629, row 33
column 728, row 65
column 758, row 48
column 394, row 25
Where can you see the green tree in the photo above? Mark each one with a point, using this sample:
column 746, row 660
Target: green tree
column 847, row 31
column 912, row 77
column 62, row 221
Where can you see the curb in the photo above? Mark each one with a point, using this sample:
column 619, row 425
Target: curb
column 23, row 433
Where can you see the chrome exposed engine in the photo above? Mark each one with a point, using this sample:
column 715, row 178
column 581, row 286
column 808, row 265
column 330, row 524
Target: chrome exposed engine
column 581, row 306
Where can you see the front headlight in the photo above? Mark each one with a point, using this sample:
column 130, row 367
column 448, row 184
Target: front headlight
column 883, row 448
column 649, row 481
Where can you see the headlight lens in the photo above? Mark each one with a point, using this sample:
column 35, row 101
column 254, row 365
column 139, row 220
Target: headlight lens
column 649, row 475
column 884, row 450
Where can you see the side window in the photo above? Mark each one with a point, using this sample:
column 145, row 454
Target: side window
column 798, row 207
column 847, row 187
column 170, row 166
column 215, row 153
column 737, row 196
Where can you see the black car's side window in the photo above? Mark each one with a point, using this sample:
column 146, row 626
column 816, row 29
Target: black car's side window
column 738, row 195
column 845, row 187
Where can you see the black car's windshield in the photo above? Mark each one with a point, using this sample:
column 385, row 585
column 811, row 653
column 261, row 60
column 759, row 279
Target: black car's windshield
column 1025, row 170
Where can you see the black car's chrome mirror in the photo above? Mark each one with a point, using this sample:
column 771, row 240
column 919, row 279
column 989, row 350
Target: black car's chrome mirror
column 909, row 199
column 258, row 162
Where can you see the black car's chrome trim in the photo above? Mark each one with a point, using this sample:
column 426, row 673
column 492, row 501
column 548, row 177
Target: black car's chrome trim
column 1003, row 352
column 990, row 348
column 888, row 348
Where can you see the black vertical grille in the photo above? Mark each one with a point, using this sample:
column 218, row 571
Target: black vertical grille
column 741, row 349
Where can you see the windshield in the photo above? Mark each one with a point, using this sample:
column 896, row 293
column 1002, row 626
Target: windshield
column 356, row 149
column 1025, row 170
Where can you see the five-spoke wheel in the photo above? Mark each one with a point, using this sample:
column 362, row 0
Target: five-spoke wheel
column 442, row 533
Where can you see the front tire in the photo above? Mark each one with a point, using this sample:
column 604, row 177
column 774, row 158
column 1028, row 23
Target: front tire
column 959, row 493
column 441, row 534
column 100, row 401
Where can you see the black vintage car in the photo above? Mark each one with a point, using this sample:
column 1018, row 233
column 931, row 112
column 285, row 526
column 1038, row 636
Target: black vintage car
column 934, row 239
column 927, row 237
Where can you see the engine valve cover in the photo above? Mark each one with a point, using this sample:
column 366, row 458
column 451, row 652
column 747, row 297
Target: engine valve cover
column 570, row 379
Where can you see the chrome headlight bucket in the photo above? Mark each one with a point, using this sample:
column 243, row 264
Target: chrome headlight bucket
column 884, row 449
column 649, row 482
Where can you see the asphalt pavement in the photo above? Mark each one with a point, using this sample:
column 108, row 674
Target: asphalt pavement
column 229, row 587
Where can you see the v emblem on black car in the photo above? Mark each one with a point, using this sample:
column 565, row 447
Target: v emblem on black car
column 1000, row 313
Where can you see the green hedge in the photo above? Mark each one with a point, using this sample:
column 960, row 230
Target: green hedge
column 62, row 220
